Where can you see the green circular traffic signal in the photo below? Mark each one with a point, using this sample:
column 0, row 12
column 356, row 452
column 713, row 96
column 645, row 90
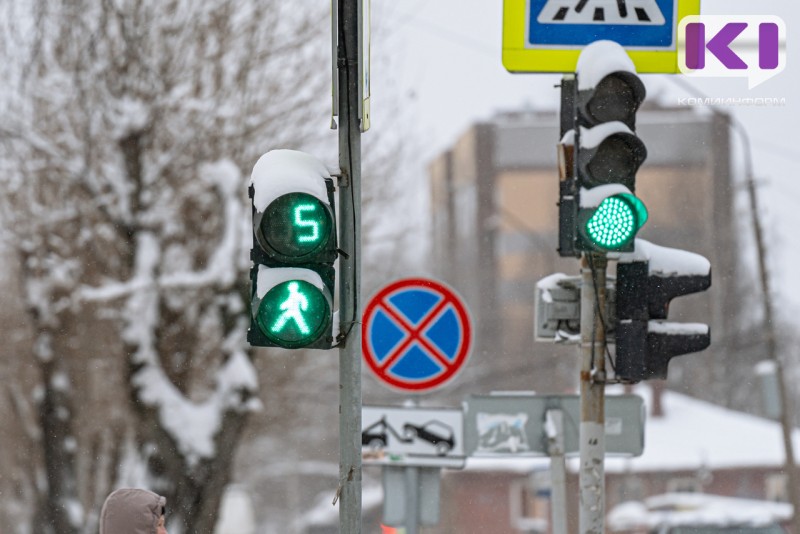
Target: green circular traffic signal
column 293, row 314
column 615, row 221
column 296, row 226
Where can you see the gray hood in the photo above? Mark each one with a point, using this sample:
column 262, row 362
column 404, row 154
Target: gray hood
column 131, row 511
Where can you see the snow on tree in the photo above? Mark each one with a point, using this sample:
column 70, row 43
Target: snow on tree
column 128, row 130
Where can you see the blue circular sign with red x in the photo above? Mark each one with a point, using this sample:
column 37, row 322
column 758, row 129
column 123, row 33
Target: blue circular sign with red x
column 416, row 334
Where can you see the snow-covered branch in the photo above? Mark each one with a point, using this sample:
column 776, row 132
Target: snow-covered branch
column 110, row 110
column 193, row 426
column 226, row 261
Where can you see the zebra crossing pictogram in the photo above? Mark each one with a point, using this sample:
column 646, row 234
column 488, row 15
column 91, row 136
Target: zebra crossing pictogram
column 630, row 12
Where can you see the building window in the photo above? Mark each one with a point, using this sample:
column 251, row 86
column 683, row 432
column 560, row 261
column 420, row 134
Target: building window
column 683, row 485
column 775, row 487
column 528, row 508
column 630, row 489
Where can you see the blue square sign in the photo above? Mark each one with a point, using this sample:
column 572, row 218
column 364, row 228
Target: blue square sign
column 631, row 23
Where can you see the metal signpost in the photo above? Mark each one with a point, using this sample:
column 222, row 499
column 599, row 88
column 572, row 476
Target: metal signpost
column 412, row 444
column 417, row 336
column 554, row 428
column 510, row 426
column 349, row 68
column 593, row 444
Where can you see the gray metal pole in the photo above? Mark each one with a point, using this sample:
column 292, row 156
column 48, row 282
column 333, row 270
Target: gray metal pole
column 558, row 475
column 349, row 216
column 592, row 382
column 412, row 499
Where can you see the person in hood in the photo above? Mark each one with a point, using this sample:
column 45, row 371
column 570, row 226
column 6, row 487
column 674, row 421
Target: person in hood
column 133, row 511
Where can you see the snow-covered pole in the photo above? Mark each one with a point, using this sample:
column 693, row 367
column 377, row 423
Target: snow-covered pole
column 591, row 477
column 349, row 492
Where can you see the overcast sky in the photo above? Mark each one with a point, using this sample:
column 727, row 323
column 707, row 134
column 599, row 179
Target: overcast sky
column 444, row 58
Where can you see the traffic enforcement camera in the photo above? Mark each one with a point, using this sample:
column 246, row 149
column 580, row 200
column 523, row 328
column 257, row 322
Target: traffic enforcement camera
column 294, row 247
column 599, row 211
column 647, row 281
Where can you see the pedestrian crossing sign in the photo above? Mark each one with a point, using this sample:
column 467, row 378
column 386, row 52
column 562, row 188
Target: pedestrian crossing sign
column 548, row 35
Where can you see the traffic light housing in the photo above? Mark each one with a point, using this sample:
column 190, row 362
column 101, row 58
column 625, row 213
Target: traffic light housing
column 647, row 281
column 598, row 199
column 294, row 248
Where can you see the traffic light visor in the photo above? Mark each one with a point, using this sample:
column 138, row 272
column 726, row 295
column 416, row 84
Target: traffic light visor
column 293, row 313
column 614, row 223
column 608, row 87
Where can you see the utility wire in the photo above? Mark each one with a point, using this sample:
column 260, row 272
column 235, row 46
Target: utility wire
column 599, row 312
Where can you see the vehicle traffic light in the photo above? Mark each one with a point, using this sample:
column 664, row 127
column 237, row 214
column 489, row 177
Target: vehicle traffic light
column 607, row 152
column 294, row 247
column 647, row 281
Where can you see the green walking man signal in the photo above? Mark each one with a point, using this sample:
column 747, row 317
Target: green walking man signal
column 293, row 307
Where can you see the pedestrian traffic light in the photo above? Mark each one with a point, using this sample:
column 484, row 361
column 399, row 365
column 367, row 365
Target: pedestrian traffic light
column 647, row 281
column 294, row 247
column 607, row 152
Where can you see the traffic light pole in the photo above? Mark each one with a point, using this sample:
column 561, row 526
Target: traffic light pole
column 591, row 478
column 349, row 491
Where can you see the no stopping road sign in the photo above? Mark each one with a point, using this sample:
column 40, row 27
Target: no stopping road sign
column 417, row 334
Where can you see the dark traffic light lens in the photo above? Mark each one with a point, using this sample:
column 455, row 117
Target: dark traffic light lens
column 614, row 99
column 293, row 313
column 297, row 225
column 617, row 159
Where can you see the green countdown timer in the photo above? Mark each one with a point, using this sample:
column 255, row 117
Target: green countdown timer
column 293, row 313
column 615, row 221
column 296, row 225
